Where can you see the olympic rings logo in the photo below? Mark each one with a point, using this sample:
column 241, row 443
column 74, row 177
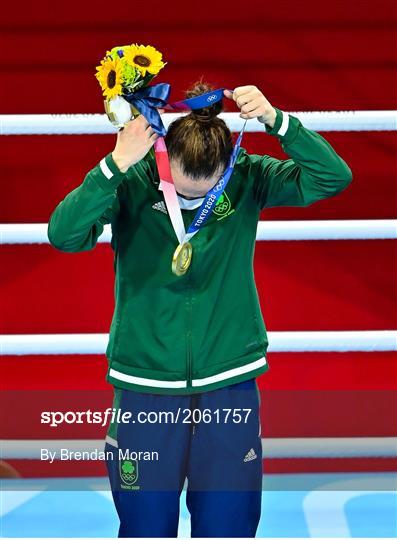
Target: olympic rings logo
column 222, row 207
column 220, row 185
column 211, row 98
column 129, row 477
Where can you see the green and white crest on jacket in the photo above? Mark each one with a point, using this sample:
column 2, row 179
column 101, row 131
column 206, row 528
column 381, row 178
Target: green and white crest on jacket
column 223, row 207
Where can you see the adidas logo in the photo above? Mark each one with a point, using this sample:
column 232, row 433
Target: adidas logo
column 160, row 206
column 250, row 456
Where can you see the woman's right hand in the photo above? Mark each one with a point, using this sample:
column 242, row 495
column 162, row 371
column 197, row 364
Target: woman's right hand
column 133, row 142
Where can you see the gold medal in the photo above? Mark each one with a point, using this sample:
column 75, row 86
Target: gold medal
column 182, row 258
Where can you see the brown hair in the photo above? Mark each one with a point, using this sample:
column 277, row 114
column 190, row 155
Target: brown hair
column 200, row 141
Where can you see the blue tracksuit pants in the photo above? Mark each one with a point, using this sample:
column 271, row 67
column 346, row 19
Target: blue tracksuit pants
column 210, row 438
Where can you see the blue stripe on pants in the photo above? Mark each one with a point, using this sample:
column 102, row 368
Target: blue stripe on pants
column 219, row 453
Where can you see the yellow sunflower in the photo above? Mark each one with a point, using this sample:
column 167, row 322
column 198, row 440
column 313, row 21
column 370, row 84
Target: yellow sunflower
column 144, row 58
column 110, row 76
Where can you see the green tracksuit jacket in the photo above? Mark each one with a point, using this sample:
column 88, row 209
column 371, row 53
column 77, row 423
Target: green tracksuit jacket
column 202, row 330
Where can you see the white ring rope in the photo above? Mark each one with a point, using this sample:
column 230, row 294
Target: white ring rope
column 79, row 124
column 295, row 341
column 331, row 229
column 310, row 447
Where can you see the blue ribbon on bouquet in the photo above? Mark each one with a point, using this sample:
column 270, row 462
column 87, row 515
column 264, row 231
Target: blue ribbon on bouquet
column 147, row 100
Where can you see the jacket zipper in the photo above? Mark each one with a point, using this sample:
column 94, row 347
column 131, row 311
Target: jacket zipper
column 189, row 358
column 189, row 335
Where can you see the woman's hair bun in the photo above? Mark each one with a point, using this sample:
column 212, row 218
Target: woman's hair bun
column 206, row 114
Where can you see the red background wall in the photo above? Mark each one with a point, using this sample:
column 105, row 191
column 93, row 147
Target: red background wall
column 303, row 56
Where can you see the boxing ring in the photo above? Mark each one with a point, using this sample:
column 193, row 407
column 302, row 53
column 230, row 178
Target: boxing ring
column 342, row 496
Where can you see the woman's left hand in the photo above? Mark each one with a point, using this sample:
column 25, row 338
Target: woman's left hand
column 252, row 104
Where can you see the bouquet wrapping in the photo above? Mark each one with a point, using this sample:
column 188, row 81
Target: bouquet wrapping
column 123, row 72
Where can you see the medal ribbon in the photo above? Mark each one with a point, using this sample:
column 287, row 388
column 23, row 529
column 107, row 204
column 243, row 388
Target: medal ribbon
column 146, row 101
column 171, row 198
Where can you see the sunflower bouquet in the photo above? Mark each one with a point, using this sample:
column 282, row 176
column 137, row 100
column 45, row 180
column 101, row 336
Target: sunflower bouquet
column 123, row 71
